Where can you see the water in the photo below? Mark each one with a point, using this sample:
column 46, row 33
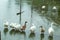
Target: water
column 8, row 10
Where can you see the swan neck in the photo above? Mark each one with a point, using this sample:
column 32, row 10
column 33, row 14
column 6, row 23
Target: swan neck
column 25, row 24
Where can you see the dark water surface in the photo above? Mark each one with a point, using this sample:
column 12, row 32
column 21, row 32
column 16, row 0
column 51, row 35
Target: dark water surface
column 9, row 8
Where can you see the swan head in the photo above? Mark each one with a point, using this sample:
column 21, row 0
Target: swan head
column 52, row 23
column 41, row 26
column 25, row 21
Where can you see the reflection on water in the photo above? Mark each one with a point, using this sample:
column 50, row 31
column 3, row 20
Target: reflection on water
column 42, row 36
column 32, row 36
column 50, row 38
column 5, row 30
column 23, row 32
column 12, row 32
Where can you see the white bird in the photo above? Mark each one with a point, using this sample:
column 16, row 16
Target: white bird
column 51, row 30
column 43, row 7
column 33, row 28
column 42, row 29
column 15, row 26
column 54, row 7
column 6, row 24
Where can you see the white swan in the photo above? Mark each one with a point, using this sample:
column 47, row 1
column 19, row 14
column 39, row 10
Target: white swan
column 6, row 24
column 51, row 30
column 33, row 28
column 15, row 26
column 12, row 25
column 43, row 7
column 42, row 29
column 54, row 7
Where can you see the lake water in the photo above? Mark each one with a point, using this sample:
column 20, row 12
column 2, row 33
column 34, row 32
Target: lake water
column 8, row 10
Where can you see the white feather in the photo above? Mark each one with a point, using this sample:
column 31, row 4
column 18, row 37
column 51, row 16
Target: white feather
column 33, row 28
column 6, row 24
column 15, row 25
column 51, row 30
